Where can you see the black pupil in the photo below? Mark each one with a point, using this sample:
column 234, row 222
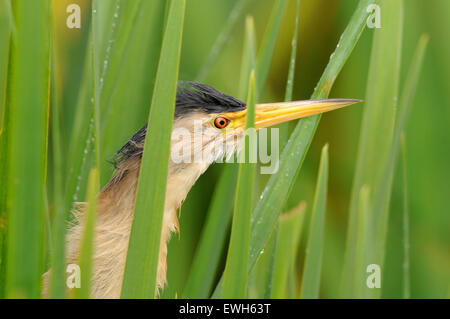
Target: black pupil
column 222, row 122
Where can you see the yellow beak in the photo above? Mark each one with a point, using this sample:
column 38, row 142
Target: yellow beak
column 276, row 113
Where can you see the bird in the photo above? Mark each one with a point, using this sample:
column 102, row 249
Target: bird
column 221, row 120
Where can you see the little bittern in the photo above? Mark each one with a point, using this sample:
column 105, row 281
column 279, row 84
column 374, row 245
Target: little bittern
column 222, row 119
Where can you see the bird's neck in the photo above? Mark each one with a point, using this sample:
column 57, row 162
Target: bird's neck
column 114, row 221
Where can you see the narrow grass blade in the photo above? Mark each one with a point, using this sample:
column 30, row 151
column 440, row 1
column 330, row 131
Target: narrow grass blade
column 284, row 128
column 288, row 235
column 236, row 280
column 268, row 45
column 406, row 258
column 143, row 252
column 57, row 279
column 375, row 149
column 222, row 39
column 279, row 185
column 213, row 239
column 4, row 62
column 102, row 15
column 292, row 60
column 87, row 241
column 314, row 249
column 80, row 146
column 361, row 243
column 8, row 11
column 249, row 56
column 100, row 11
column 97, row 85
column 5, row 32
column 27, row 147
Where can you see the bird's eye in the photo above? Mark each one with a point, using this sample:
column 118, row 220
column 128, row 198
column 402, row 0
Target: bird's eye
column 221, row 122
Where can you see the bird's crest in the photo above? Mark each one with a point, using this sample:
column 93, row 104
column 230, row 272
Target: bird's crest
column 196, row 96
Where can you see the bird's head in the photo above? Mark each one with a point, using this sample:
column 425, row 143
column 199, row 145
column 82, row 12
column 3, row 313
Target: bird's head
column 209, row 125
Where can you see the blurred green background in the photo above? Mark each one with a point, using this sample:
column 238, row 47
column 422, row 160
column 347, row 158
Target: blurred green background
column 321, row 24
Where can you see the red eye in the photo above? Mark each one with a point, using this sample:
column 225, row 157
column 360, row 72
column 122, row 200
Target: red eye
column 221, row 122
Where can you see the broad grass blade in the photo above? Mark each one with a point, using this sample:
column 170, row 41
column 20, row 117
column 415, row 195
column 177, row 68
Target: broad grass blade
column 27, row 109
column 236, row 280
column 143, row 252
column 57, row 276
